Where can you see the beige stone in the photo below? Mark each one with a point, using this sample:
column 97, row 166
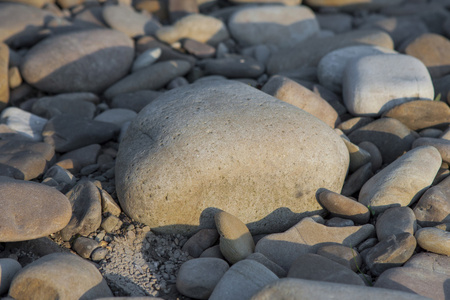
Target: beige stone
column 434, row 240
column 344, row 207
column 236, row 242
column 403, row 181
column 198, row 27
column 293, row 93
column 4, row 76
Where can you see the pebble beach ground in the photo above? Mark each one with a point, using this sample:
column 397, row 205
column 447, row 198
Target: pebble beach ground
column 224, row 149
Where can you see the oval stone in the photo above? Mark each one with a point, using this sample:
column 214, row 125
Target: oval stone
column 84, row 61
column 228, row 146
column 30, row 210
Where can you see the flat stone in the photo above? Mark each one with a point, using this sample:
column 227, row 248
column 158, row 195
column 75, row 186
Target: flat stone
column 276, row 269
column 414, row 280
column 24, row 160
column 306, row 237
column 298, row 289
column 442, row 145
column 8, row 269
column 433, row 50
column 357, row 179
column 336, row 22
column 331, row 68
column 21, row 23
column 86, row 210
column 125, row 19
column 284, row 2
column 243, row 280
column 30, row 210
column 134, row 100
column 83, row 156
column 375, row 155
column 339, row 222
column 293, row 93
column 434, row 240
column 234, row 67
column 61, row 176
column 236, row 242
column 215, row 114
column 343, row 255
column 198, row 27
column 84, row 246
column 395, row 220
column 391, row 252
column 319, row 268
column 311, row 51
column 24, row 123
column 152, row 77
column 344, row 207
column 431, row 132
column 388, row 74
column 389, row 135
column 199, row 50
column 117, row 116
column 433, row 207
column 146, row 58
column 198, row 277
column 430, row 261
column 64, row 63
column 59, row 132
column 60, row 276
column 402, row 182
column 200, row 241
column 420, row 114
column 282, row 26
column 79, row 104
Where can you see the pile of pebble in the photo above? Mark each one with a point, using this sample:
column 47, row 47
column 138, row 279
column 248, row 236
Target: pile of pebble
column 224, row 149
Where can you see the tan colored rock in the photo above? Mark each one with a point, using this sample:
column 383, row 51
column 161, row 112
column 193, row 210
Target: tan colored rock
column 306, row 237
column 236, row 242
column 343, row 255
column 442, row 145
column 420, row 114
column 433, row 50
column 293, row 93
column 433, row 207
column 391, row 252
column 403, row 181
column 198, row 27
column 59, row 276
column 31, row 210
column 344, row 207
column 352, row 124
column 434, row 240
column 178, row 151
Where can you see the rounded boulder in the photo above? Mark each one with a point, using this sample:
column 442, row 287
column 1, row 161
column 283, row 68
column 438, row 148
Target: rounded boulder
column 227, row 146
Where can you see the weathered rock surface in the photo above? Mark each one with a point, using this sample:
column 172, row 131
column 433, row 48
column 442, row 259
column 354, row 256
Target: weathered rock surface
column 59, row 276
column 84, row 61
column 162, row 138
column 402, row 182
column 30, row 210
